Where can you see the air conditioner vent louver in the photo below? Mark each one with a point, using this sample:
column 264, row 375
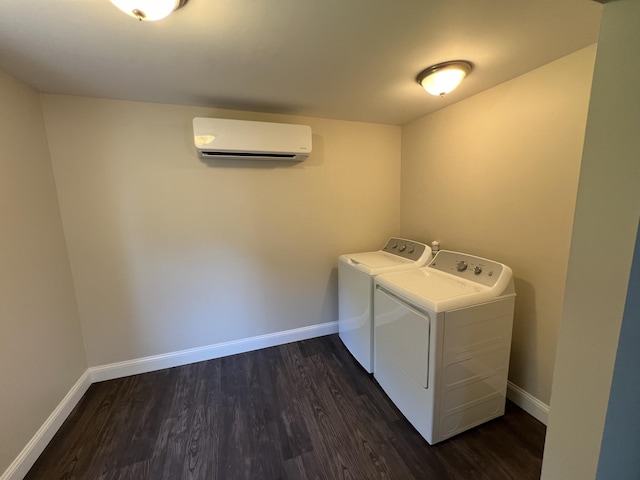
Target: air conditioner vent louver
column 239, row 139
column 248, row 155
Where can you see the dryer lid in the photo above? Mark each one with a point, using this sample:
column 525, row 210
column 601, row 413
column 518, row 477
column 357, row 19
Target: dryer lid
column 436, row 289
column 431, row 290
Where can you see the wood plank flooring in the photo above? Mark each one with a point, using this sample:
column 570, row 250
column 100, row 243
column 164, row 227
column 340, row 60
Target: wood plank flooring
column 300, row 411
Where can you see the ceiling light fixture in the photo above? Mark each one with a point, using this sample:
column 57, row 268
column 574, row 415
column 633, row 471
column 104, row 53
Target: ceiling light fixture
column 442, row 78
column 149, row 10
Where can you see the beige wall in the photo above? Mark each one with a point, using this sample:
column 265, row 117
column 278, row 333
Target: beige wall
column 604, row 233
column 41, row 353
column 496, row 175
column 169, row 253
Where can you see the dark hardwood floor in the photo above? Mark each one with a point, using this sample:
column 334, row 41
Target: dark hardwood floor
column 305, row 410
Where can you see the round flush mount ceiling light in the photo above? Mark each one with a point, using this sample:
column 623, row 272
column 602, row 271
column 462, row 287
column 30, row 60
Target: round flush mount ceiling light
column 149, row 10
column 442, row 78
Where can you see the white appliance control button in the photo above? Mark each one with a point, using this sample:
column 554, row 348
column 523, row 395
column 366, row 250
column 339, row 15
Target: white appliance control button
column 477, row 269
column 403, row 248
column 461, row 266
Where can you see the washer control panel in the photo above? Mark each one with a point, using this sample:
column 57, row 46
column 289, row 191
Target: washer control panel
column 405, row 248
column 469, row 267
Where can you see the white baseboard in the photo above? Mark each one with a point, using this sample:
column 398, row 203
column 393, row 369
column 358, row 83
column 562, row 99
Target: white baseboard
column 528, row 402
column 209, row 352
column 25, row 460
column 29, row 454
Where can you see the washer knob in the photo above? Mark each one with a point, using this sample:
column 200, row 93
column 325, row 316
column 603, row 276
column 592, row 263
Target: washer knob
column 477, row 269
column 411, row 250
column 402, row 248
column 461, row 266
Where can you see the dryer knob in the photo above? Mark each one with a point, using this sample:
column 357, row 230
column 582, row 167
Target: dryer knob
column 403, row 248
column 461, row 265
column 411, row 250
column 477, row 269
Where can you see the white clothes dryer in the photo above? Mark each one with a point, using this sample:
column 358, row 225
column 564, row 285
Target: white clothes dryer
column 356, row 272
column 442, row 342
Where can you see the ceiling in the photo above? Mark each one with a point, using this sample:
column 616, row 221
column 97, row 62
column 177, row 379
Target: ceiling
column 344, row 59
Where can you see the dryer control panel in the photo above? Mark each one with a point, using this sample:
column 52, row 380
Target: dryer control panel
column 405, row 248
column 469, row 267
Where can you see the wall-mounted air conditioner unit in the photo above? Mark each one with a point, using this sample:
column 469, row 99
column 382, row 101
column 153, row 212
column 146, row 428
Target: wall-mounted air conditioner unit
column 240, row 139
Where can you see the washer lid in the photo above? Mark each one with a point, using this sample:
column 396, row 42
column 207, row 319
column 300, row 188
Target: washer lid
column 398, row 254
column 378, row 262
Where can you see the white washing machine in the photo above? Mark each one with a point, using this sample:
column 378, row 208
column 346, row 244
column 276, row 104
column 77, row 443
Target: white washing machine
column 442, row 342
column 356, row 272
